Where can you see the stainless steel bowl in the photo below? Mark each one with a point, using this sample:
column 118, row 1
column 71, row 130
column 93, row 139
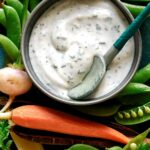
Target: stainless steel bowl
column 41, row 8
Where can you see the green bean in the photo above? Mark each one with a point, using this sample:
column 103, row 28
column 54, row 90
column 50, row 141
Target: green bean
column 134, row 115
column 2, row 17
column 134, row 88
column 82, row 147
column 33, row 4
column 142, row 75
column 9, row 47
column 13, row 25
column 137, row 141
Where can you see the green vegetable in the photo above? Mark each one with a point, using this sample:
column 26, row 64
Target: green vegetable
column 101, row 110
column 13, row 25
column 33, row 4
column 136, row 100
column 2, row 17
column 9, row 47
column 5, row 141
column 25, row 14
column 144, row 146
column 82, row 147
column 114, row 148
column 134, row 115
column 138, row 140
column 17, row 5
column 134, row 88
column 142, row 75
column 134, row 9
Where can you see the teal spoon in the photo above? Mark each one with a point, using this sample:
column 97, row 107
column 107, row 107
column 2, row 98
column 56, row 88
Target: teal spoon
column 2, row 58
column 99, row 66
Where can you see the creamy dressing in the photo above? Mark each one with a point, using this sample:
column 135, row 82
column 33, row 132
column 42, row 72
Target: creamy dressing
column 67, row 37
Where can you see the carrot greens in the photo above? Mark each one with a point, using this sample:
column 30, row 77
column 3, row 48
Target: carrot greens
column 5, row 142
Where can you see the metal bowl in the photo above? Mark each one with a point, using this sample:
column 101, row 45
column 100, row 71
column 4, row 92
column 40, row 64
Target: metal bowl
column 42, row 7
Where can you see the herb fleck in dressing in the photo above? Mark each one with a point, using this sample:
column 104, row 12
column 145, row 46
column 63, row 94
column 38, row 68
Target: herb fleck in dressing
column 67, row 37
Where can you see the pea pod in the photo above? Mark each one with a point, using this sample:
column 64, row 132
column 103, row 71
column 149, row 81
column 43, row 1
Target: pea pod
column 136, row 100
column 142, row 75
column 33, row 4
column 114, row 148
column 24, row 15
column 17, row 5
column 2, row 17
column 102, row 110
column 134, row 115
column 134, row 88
column 9, row 47
column 134, row 9
column 137, row 141
column 82, row 147
column 13, row 25
column 144, row 146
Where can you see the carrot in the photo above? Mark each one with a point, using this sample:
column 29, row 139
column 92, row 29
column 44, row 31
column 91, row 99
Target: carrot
column 48, row 119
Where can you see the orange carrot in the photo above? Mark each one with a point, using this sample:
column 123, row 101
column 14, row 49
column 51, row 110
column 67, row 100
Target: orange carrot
column 48, row 119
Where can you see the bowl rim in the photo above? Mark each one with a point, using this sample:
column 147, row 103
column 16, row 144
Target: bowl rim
column 42, row 7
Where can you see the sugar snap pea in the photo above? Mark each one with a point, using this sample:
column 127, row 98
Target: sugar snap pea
column 134, row 9
column 134, row 115
column 144, row 146
column 142, row 75
column 137, row 141
column 136, row 100
column 24, row 15
column 9, row 47
column 134, row 88
column 82, row 147
column 114, row 148
column 17, row 5
column 2, row 17
column 13, row 25
column 33, row 4
column 102, row 110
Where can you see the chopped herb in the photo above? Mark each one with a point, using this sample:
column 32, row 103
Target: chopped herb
column 63, row 66
column 98, row 27
column 54, row 66
column 81, row 72
column 61, row 38
column 72, row 57
column 102, row 43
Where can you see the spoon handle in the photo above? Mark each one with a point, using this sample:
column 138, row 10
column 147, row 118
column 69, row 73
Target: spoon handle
column 132, row 28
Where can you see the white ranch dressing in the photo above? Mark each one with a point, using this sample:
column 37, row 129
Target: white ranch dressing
column 68, row 35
